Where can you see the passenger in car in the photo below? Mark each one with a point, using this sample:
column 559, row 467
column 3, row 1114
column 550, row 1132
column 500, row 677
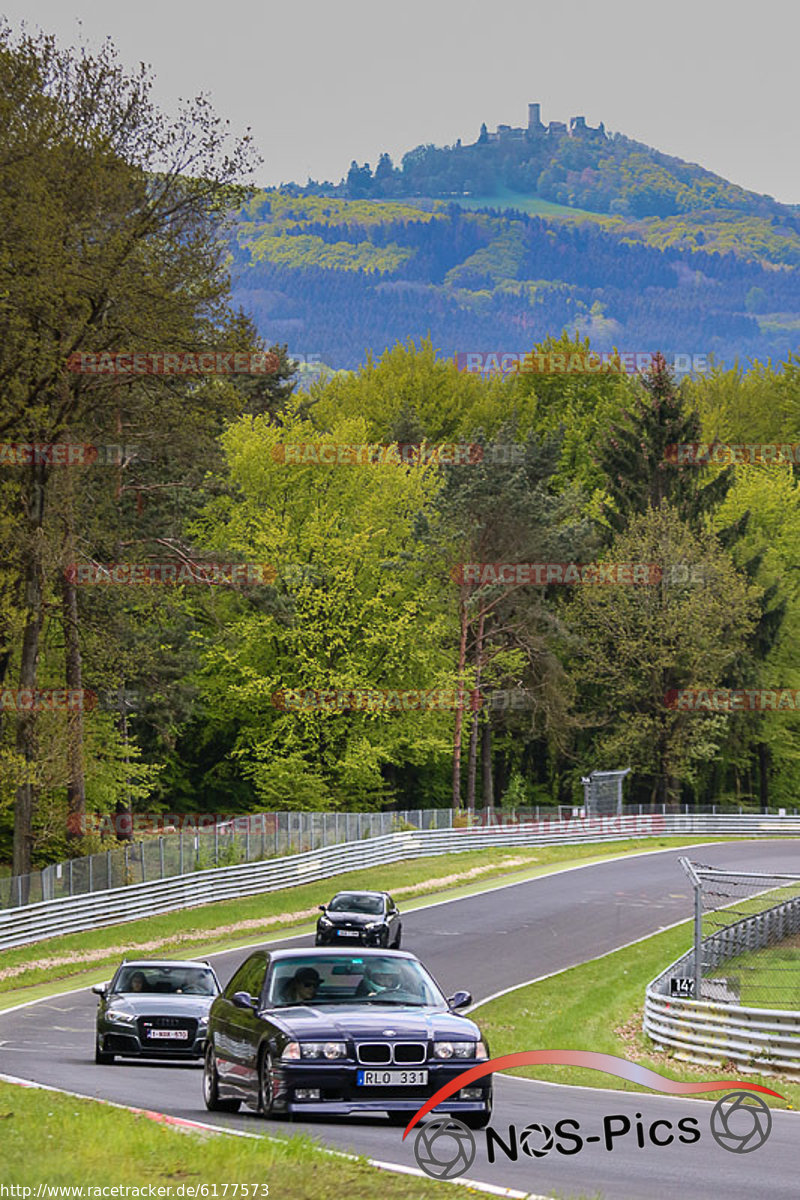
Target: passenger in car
column 302, row 988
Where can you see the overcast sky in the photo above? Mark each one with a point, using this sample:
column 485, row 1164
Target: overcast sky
column 322, row 82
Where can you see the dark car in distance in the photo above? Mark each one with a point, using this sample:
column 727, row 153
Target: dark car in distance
column 339, row 1032
column 362, row 918
column 155, row 1009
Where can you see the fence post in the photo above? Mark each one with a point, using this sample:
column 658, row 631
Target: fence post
column 91, row 880
column 216, row 844
column 180, row 852
column 161, row 855
column 263, row 835
column 124, row 863
column 70, row 877
column 109, row 880
column 144, row 872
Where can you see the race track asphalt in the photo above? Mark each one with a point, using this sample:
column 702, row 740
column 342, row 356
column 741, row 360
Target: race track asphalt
column 485, row 943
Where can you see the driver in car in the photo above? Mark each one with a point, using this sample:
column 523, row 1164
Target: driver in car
column 383, row 979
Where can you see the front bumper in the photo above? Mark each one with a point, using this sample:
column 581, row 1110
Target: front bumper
column 356, row 937
column 340, row 1094
column 125, row 1042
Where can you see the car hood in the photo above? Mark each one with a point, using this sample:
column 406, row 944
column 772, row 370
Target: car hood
column 155, row 1004
column 337, row 1022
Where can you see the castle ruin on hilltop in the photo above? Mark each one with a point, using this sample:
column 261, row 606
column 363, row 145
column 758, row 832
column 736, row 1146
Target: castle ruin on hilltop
column 577, row 128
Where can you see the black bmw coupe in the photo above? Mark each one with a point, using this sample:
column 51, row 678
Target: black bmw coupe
column 341, row 1032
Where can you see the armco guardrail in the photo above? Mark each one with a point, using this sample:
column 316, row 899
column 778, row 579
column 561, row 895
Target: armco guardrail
column 34, row 922
column 766, row 1040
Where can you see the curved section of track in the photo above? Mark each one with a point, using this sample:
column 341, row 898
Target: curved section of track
column 485, row 942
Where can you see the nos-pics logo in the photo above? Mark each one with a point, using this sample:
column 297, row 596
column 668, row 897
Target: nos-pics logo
column 445, row 1148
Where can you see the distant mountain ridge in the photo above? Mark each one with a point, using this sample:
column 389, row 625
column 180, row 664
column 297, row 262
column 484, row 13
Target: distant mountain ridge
column 526, row 232
column 568, row 163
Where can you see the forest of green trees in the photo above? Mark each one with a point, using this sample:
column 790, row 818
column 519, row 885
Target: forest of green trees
column 116, row 229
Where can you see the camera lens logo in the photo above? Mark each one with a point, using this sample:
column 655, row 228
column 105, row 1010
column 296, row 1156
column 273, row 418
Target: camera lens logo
column 740, row 1122
column 536, row 1140
column 444, row 1148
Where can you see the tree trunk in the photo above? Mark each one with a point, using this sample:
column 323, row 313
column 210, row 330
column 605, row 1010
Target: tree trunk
column 763, row 775
column 25, row 803
column 472, row 759
column 459, row 721
column 486, row 768
column 76, row 785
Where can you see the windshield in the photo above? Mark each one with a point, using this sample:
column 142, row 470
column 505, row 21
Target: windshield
column 351, row 979
column 174, row 981
column 356, row 902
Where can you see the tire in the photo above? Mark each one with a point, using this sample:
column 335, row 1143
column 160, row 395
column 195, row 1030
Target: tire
column 318, row 941
column 211, row 1086
column 383, row 940
column 396, row 942
column 100, row 1057
column 266, row 1103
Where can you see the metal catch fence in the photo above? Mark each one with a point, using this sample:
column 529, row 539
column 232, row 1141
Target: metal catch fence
column 227, row 843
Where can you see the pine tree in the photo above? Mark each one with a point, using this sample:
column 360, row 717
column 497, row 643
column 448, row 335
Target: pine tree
column 641, row 464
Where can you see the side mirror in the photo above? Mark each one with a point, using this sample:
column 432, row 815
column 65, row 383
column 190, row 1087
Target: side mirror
column 322, row 908
column 100, row 989
column 460, row 1000
column 244, row 1000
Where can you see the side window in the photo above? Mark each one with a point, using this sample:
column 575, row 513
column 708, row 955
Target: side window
column 249, row 978
column 390, row 904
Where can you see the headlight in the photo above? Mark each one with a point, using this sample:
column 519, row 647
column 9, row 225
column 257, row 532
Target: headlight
column 457, row 1049
column 291, row 1050
column 324, row 921
column 120, row 1015
column 329, row 1050
column 375, row 925
column 202, row 1024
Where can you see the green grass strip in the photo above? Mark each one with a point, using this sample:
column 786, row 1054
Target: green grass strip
column 60, row 1140
column 598, row 1006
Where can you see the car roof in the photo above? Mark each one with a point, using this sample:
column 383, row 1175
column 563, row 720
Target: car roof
column 166, row 962
column 336, row 952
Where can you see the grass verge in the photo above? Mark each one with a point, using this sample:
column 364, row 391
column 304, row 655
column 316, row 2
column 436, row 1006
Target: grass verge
column 59, row 1140
column 598, row 1006
column 227, row 925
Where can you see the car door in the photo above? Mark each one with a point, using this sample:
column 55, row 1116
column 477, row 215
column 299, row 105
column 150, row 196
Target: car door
column 238, row 1030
